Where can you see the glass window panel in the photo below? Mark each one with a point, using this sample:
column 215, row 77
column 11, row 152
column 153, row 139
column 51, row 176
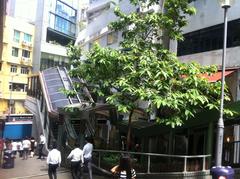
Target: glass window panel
column 64, row 26
column 66, row 12
column 13, row 69
column 112, row 38
column 17, row 87
column 16, row 36
column 14, row 51
column 27, row 37
column 26, row 53
column 24, row 70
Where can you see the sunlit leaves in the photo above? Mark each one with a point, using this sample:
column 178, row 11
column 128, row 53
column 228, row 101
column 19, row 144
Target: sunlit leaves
column 143, row 69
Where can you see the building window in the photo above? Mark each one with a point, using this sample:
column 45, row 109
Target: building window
column 49, row 60
column 96, row 41
column 63, row 19
column 210, row 38
column 18, row 87
column 24, row 70
column 112, row 38
column 27, row 37
column 26, row 53
column 16, row 36
column 14, row 51
column 13, row 69
column 64, row 26
column 0, row 66
column 65, row 11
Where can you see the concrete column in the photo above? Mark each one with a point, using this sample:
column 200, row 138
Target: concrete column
column 209, row 142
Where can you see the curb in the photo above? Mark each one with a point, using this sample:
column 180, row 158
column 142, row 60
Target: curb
column 37, row 175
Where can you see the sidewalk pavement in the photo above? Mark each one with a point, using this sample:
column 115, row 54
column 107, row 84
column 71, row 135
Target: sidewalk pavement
column 34, row 168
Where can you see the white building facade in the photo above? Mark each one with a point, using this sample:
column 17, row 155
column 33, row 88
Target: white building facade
column 97, row 14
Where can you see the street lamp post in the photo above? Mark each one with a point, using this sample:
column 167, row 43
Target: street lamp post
column 225, row 4
column 219, row 171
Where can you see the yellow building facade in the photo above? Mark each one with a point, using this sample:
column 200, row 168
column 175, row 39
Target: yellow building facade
column 15, row 65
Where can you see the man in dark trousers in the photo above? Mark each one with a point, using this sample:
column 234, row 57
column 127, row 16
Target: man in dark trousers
column 53, row 161
column 87, row 154
column 77, row 160
column 41, row 145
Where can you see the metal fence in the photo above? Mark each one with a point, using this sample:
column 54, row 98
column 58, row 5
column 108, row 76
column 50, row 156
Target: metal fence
column 152, row 162
column 231, row 153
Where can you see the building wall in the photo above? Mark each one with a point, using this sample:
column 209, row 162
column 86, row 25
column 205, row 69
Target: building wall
column 98, row 15
column 215, row 57
column 2, row 18
column 18, row 77
column 44, row 21
column 22, row 9
column 210, row 13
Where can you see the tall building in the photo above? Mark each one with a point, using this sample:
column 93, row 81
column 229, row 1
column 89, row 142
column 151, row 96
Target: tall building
column 35, row 36
column 16, row 64
column 56, row 26
column 204, row 40
column 95, row 17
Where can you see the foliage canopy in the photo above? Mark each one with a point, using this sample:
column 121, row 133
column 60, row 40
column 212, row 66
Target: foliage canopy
column 144, row 68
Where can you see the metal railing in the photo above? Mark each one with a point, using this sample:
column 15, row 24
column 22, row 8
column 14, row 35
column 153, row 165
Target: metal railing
column 231, row 153
column 152, row 162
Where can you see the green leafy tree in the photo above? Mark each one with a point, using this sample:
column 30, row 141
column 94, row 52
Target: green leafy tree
column 144, row 69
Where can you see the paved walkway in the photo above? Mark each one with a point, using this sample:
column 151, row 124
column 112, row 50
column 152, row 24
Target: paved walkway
column 34, row 168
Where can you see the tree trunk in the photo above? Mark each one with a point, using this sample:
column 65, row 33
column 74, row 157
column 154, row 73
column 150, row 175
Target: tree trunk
column 129, row 130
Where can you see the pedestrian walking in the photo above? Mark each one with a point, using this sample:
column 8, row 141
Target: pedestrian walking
column 53, row 161
column 87, row 154
column 124, row 170
column 76, row 157
column 26, row 147
column 14, row 147
column 41, row 145
column 33, row 146
column 20, row 148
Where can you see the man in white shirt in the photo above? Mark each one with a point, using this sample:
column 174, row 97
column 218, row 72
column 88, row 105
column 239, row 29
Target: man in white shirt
column 20, row 148
column 87, row 154
column 41, row 145
column 26, row 146
column 76, row 157
column 14, row 147
column 53, row 161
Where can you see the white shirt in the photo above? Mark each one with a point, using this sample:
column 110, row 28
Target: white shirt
column 76, row 155
column 54, row 157
column 14, row 146
column 26, row 143
column 20, row 146
column 87, row 150
column 42, row 139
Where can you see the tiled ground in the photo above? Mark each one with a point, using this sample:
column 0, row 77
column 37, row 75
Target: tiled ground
column 33, row 168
